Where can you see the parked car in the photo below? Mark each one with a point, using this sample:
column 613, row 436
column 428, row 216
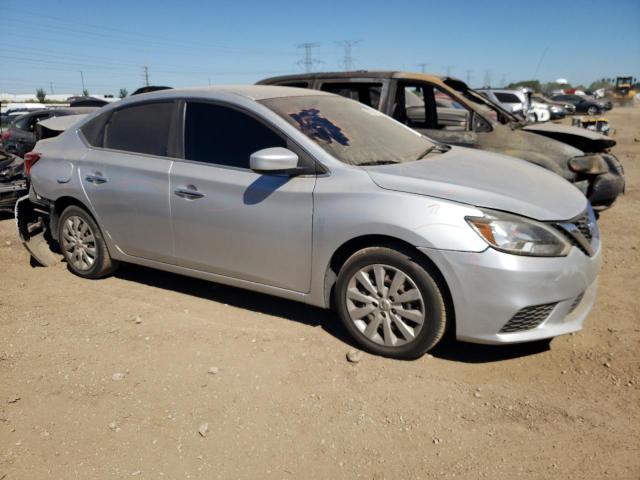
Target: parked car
column 583, row 104
column 12, row 182
column 578, row 155
column 558, row 109
column 21, row 134
column 312, row 197
column 518, row 102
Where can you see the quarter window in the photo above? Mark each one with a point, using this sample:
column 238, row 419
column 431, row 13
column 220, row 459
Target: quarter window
column 225, row 136
column 140, row 128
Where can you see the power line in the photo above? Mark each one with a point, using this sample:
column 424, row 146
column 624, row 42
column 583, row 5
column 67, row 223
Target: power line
column 308, row 61
column 423, row 67
column 348, row 45
column 468, row 77
column 82, row 78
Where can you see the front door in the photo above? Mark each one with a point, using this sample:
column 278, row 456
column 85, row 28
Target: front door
column 230, row 220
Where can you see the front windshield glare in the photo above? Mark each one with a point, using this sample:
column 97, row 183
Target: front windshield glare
column 350, row 131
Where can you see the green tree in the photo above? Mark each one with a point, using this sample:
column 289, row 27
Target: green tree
column 531, row 84
column 85, row 93
column 123, row 93
column 41, row 94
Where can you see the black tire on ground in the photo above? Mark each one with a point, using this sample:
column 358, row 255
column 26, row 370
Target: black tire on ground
column 593, row 110
column 425, row 279
column 102, row 265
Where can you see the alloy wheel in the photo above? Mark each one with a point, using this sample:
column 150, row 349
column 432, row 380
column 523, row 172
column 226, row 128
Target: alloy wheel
column 385, row 305
column 79, row 243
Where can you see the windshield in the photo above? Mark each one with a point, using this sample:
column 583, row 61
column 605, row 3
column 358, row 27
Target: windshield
column 350, row 131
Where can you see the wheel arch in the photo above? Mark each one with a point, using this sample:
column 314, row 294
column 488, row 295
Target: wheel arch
column 348, row 248
column 59, row 205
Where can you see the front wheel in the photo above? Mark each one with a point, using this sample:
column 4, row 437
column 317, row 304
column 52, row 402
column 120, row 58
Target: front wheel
column 391, row 303
column 82, row 244
column 593, row 110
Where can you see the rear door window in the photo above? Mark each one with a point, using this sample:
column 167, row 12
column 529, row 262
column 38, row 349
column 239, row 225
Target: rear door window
column 222, row 135
column 141, row 128
column 363, row 92
column 507, row 97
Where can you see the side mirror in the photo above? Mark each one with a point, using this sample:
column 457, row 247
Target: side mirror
column 275, row 160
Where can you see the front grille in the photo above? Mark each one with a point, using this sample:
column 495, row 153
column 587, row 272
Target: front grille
column 528, row 318
column 583, row 225
column 576, row 302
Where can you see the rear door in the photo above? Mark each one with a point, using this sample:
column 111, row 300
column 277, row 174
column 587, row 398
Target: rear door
column 230, row 220
column 126, row 178
column 370, row 92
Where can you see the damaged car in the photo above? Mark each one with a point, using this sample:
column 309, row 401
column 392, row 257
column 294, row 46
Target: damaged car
column 581, row 157
column 316, row 198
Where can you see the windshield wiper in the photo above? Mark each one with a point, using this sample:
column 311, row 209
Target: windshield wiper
column 377, row 162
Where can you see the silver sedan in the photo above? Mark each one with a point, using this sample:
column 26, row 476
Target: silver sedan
column 313, row 197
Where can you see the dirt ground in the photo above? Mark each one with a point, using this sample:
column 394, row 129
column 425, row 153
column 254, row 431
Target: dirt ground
column 114, row 378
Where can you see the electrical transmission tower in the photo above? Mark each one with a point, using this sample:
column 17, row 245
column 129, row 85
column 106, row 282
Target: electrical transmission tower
column 308, row 61
column 146, row 75
column 487, row 78
column 347, row 62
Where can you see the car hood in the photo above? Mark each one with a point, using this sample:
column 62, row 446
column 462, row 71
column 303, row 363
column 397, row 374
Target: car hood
column 580, row 138
column 487, row 180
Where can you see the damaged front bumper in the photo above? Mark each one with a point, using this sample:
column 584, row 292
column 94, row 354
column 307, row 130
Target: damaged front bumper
column 32, row 223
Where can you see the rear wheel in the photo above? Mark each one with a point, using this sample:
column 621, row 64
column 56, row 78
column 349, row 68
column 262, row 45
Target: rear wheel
column 593, row 110
column 391, row 303
column 82, row 244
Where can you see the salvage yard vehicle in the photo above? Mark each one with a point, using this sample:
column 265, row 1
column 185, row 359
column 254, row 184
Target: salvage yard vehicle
column 313, row 197
column 13, row 185
column 583, row 104
column 517, row 101
column 20, row 138
column 578, row 155
column 556, row 108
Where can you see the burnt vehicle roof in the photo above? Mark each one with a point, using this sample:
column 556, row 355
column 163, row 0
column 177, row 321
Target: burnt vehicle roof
column 361, row 74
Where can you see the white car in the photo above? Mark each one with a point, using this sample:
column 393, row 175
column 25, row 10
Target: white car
column 517, row 101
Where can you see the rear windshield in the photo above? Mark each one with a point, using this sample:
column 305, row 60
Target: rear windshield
column 350, row 131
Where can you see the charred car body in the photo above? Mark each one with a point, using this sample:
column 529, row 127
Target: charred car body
column 468, row 119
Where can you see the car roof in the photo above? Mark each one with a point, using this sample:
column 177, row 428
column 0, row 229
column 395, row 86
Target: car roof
column 252, row 92
column 359, row 73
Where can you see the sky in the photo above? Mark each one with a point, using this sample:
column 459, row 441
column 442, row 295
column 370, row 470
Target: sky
column 47, row 43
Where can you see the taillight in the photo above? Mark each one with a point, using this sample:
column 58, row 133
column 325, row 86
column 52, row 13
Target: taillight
column 29, row 161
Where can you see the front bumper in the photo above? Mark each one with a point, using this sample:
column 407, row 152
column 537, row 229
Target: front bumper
column 489, row 288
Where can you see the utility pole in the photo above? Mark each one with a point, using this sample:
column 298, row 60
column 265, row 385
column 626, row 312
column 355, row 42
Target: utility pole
column 51, row 87
column 487, row 78
column 308, row 61
column 146, row 75
column 82, row 78
column 503, row 80
column 347, row 62
column 468, row 72
column 423, row 67
column 448, row 68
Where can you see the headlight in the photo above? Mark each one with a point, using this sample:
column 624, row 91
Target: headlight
column 591, row 164
column 555, row 109
column 518, row 235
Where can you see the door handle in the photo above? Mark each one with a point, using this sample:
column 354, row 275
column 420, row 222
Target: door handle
column 190, row 193
column 96, row 178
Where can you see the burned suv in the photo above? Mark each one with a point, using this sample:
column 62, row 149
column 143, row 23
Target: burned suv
column 446, row 109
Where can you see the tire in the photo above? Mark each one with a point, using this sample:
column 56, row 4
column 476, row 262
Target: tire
column 593, row 110
column 83, row 245
column 372, row 317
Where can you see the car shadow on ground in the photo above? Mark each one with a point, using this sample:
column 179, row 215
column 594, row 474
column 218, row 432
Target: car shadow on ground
column 449, row 349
